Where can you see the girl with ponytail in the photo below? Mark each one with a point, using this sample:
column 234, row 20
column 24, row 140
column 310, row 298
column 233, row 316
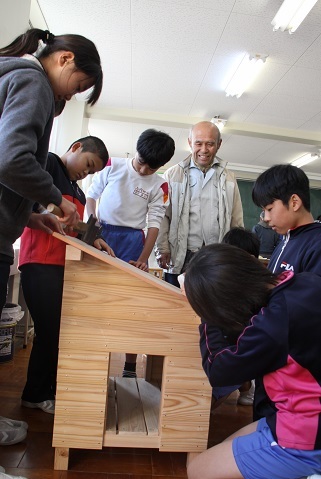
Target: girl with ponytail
column 39, row 72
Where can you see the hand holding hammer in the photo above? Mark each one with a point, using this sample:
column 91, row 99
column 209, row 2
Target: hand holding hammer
column 88, row 232
column 67, row 211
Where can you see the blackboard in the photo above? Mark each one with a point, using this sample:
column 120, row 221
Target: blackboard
column 251, row 212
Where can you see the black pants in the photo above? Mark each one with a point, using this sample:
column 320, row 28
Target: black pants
column 42, row 288
column 172, row 277
column 4, row 277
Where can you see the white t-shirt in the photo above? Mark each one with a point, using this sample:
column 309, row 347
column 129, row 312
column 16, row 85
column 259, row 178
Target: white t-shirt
column 127, row 197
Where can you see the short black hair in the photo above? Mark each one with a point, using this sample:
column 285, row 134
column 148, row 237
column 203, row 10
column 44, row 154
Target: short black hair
column 280, row 182
column 94, row 145
column 243, row 239
column 155, row 148
column 226, row 286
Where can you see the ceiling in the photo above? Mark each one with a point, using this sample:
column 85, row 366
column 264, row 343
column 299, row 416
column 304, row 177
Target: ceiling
column 166, row 64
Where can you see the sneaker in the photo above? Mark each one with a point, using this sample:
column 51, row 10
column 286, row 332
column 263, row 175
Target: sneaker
column 13, row 423
column 46, row 406
column 9, row 476
column 246, row 398
column 129, row 374
column 11, row 435
column 314, row 476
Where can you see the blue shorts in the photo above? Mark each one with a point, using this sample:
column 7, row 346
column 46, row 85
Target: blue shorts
column 258, row 456
column 127, row 243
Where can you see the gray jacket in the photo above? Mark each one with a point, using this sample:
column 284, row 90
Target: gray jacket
column 26, row 116
column 174, row 229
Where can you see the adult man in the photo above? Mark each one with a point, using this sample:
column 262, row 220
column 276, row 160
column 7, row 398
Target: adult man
column 205, row 202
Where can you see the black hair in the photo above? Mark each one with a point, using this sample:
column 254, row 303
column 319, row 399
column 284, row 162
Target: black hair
column 155, row 148
column 87, row 59
column 226, row 286
column 59, row 106
column 93, row 145
column 243, row 239
column 280, row 182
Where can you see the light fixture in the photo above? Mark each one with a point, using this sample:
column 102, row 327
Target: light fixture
column 306, row 159
column 291, row 14
column 247, row 71
column 219, row 122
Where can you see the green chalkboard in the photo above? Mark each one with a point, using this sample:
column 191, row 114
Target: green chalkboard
column 251, row 212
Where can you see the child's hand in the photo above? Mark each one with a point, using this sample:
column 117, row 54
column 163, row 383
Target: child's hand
column 103, row 246
column 181, row 279
column 70, row 215
column 139, row 264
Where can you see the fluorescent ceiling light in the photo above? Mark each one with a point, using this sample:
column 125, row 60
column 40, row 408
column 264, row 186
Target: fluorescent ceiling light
column 305, row 159
column 291, row 14
column 219, row 122
column 247, row 71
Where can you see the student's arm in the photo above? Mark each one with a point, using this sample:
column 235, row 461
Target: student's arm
column 162, row 249
column 91, row 207
column 142, row 261
column 261, row 348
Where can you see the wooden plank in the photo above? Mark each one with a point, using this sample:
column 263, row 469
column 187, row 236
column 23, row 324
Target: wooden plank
column 129, row 408
column 89, row 299
column 150, row 396
column 111, row 420
column 99, row 257
column 73, row 253
column 154, row 369
column 61, row 459
column 128, row 336
column 185, row 407
column 131, row 440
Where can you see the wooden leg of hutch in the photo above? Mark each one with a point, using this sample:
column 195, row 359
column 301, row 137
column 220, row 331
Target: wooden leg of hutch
column 61, row 458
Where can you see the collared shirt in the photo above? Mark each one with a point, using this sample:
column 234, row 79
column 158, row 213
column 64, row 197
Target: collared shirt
column 204, row 207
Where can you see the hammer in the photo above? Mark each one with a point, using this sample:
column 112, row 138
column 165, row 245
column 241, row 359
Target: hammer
column 88, row 231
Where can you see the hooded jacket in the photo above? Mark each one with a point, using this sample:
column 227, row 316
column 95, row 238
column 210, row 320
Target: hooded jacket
column 26, row 116
column 173, row 232
column 281, row 346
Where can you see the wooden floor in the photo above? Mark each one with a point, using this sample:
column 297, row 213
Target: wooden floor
column 34, row 457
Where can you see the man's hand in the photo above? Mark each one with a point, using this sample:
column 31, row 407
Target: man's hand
column 164, row 260
column 45, row 222
column 103, row 246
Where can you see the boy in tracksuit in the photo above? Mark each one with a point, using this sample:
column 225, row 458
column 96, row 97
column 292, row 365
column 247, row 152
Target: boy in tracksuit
column 284, row 194
column 41, row 262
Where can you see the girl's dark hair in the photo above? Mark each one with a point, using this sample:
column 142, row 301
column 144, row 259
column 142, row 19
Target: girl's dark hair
column 94, row 145
column 226, row 286
column 155, row 148
column 280, row 182
column 87, row 59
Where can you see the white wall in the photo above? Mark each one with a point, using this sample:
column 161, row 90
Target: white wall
column 14, row 19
